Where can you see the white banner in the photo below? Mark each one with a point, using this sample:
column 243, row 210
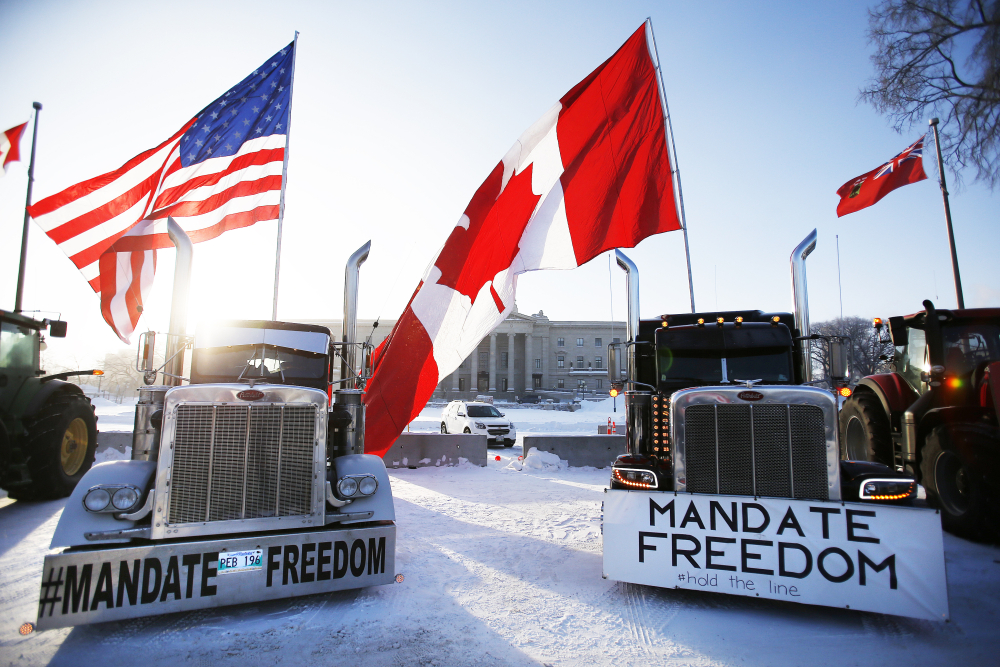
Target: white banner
column 859, row 556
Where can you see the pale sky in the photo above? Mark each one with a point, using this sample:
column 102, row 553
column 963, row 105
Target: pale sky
column 400, row 111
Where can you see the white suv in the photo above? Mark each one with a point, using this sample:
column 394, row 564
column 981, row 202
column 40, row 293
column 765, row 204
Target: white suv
column 478, row 418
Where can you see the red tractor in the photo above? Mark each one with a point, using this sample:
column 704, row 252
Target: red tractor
column 935, row 414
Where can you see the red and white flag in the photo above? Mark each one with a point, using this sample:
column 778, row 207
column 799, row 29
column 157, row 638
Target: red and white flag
column 10, row 142
column 222, row 170
column 590, row 175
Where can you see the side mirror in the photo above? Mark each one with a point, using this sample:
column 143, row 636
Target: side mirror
column 838, row 359
column 502, row 414
column 57, row 329
column 461, row 414
column 613, row 370
column 147, row 345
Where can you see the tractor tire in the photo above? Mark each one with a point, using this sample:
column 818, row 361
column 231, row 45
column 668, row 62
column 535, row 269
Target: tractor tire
column 444, row 428
column 61, row 443
column 864, row 430
column 955, row 487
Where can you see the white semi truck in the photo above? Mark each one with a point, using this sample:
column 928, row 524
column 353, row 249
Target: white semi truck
column 249, row 483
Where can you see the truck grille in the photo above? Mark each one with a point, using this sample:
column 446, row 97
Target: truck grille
column 759, row 450
column 242, row 462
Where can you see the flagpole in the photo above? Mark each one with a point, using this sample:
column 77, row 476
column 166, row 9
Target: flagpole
column 37, row 106
column 947, row 215
column 284, row 176
column 672, row 153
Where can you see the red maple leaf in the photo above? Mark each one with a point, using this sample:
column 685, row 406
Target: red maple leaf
column 472, row 257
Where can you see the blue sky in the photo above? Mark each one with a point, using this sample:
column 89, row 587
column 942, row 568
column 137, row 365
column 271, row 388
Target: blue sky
column 400, row 111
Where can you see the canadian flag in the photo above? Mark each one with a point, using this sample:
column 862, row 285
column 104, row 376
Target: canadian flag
column 10, row 142
column 590, row 175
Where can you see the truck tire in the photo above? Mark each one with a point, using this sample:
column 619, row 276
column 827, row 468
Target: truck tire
column 444, row 428
column 864, row 430
column 61, row 443
column 954, row 486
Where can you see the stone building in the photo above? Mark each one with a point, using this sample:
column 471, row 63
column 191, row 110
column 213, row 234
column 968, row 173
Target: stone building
column 524, row 355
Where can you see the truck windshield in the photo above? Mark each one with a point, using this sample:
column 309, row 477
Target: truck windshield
column 260, row 361
column 699, row 366
column 483, row 411
column 771, row 365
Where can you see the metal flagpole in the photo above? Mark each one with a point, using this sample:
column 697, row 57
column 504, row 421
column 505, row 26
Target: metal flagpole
column 284, row 175
column 37, row 106
column 672, row 152
column 947, row 215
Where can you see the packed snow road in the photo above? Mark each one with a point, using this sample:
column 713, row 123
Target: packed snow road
column 501, row 568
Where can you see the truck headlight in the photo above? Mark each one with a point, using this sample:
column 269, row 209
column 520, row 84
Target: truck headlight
column 887, row 489
column 347, row 486
column 111, row 498
column 636, row 479
column 97, row 499
column 367, row 486
column 125, row 498
column 480, row 425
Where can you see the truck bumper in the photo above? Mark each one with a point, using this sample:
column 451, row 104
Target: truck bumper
column 111, row 584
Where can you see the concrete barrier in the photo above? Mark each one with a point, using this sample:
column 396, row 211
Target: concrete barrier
column 423, row 450
column 120, row 440
column 598, row 451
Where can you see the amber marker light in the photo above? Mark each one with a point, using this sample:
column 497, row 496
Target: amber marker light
column 845, row 392
column 26, row 628
column 877, row 321
column 738, row 320
column 775, row 320
column 613, row 392
column 98, row 372
column 719, row 321
column 665, row 324
column 399, row 578
column 701, row 321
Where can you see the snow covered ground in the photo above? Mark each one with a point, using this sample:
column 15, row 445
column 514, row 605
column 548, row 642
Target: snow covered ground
column 502, row 567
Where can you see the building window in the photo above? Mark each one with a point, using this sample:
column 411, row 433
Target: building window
column 560, row 342
column 484, row 359
column 503, row 384
column 537, row 382
column 598, row 363
column 461, row 384
column 561, row 362
column 600, row 384
column 579, row 342
column 538, row 364
column 617, row 340
column 579, row 362
column 503, row 361
column 597, row 342
column 562, row 384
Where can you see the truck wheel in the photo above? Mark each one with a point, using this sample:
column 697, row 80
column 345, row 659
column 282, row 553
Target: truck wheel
column 444, row 428
column 864, row 430
column 62, row 440
column 467, row 430
column 953, row 486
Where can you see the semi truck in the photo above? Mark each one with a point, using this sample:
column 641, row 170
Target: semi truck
column 248, row 483
column 733, row 482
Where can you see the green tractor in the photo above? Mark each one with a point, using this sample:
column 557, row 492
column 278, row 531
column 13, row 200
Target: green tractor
column 48, row 430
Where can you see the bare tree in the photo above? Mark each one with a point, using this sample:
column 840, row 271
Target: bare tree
column 866, row 344
column 941, row 57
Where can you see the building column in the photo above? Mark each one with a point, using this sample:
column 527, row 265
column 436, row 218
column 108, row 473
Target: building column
column 529, row 364
column 545, row 362
column 454, row 379
column 493, row 362
column 510, row 362
column 474, row 383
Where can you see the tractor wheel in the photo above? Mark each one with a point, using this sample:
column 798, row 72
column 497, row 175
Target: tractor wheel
column 62, row 440
column 444, row 428
column 864, row 430
column 954, row 486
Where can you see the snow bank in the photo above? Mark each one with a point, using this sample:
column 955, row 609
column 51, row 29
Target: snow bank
column 537, row 460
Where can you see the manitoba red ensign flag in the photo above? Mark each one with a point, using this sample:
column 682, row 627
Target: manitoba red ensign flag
column 866, row 189
column 590, row 175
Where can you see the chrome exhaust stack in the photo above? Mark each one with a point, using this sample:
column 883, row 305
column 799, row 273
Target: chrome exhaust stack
column 637, row 402
column 179, row 306
column 350, row 394
column 632, row 324
column 800, row 299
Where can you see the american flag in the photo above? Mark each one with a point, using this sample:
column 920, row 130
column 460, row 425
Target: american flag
column 222, row 170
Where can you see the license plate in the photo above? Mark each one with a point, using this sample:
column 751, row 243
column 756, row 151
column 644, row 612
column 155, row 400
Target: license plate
column 240, row 561
column 499, row 438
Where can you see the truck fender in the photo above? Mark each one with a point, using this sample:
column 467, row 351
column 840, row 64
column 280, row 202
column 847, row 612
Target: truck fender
column 893, row 392
column 381, row 501
column 48, row 389
column 76, row 520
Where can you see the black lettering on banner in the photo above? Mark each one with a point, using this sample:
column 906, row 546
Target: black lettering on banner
column 150, row 565
column 128, row 582
column 273, row 563
column 208, row 573
column 750, row 555
column 692, row 515
column 172, row 580
column 288, row 563
column 784, row 571
column 189, row 561
column 376, row 555
column 304, row 574
column 731, row 520
column 358, row 567
column 687, row 553
column 852, row 524
column 79, row 592
column 643, row 547
column 746, row 518
column 339, row 559
column 826, row 512
column 710, row 541
column 848, row 573
column 889, row 562
column 104, row 591
column 654, row 509
column 321, row 560
column 790, row 522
